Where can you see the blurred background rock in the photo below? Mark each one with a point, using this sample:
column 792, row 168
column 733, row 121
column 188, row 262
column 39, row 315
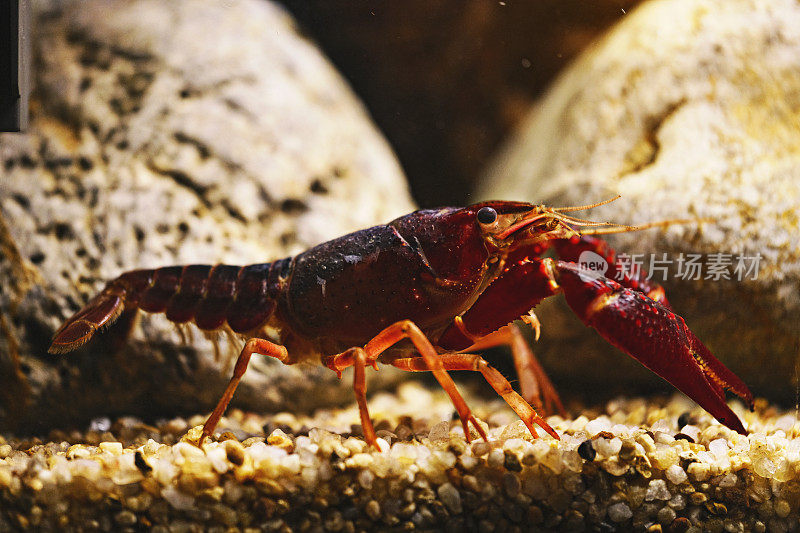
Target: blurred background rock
column 688, row 109
column 170, row 133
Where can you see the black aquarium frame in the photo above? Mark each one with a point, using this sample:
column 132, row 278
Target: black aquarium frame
column 14, row 64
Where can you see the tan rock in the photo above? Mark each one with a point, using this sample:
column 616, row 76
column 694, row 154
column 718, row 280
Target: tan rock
column 688, row 109
column 168, row 133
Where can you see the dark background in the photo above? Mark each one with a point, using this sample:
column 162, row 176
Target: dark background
column 446, row 81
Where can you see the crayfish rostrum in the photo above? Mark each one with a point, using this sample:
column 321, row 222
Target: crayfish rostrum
column 451, row 281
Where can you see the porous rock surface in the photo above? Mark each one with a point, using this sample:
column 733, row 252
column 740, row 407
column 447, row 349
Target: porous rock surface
column 170, row 133
column 688, row 109
column 634, row 465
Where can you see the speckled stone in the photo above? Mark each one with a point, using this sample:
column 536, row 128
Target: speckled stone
column 170, row 133
column 688, row 109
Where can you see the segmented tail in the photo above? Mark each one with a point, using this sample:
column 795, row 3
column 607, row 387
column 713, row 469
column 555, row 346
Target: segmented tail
column 210, row 296
column 101, row 311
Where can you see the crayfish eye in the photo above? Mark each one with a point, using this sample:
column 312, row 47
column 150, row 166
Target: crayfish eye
column 487, row 215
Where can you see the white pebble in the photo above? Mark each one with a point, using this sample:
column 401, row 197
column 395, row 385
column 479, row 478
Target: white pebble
column 515, row 431
column 664, row 456
column 111, row 447
column 445, row 458
column 677, row 502
column 354, row 445
column 699, row 471
column 661, row 425
column 515, row 445
column 218, row 458
column 657, row 490
column 496, row 458
column 620, row 429
column 601, row 423
column 619, row 512
column 579, row 424
column 647, row 442
column 291, row 463
column 164, row 470
column 765, row 467
column 319, row 435
column 86, row 468
column 189, row 451
column 786, row 422
column 100, row 424
column 404, row 452
column 258, row 451
column 77, row 452
column 675, row 474
column 691, row 431
column 719, row 447
column 468, row 462
column 664, row 438
column 608, row 447
column 150, row 447
column 309, row 476
column 125, row 471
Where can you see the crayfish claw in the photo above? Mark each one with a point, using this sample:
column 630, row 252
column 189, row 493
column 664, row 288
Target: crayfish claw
column 718, row 375
column 656, row 337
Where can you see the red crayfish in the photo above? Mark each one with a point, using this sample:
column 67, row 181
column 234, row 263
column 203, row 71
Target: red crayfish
column 451, row 281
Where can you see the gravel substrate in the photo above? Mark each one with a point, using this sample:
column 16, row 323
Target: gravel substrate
column 637, row 465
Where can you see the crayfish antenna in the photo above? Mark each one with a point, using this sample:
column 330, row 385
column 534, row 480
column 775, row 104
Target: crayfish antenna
column 622, row 228
column 583, row 207
column 611, row 227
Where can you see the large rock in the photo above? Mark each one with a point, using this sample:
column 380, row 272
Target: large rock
column 167, row 133
column 688, row 109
